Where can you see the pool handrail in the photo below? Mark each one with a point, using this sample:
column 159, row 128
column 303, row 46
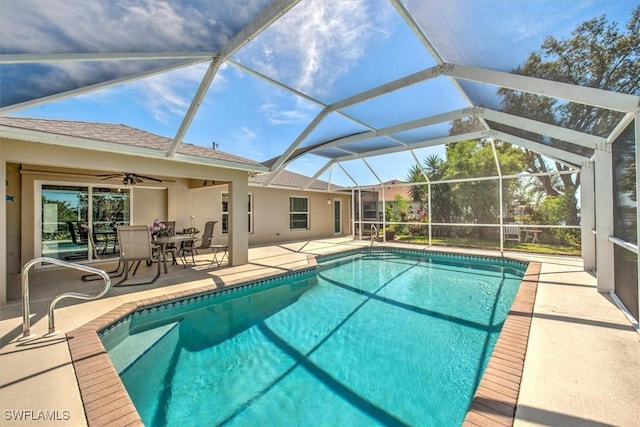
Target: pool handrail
column 374, row 236
column 26, row 315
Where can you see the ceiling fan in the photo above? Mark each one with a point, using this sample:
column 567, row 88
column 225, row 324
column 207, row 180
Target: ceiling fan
column 129, row 178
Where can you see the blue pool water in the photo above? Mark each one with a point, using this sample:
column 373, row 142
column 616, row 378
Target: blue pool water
column 380, row 338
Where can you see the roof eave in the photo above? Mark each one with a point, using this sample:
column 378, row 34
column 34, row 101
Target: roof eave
column 112, row 147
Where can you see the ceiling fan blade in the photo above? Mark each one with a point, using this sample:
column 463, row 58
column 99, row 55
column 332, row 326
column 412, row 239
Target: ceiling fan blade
column 150, row 178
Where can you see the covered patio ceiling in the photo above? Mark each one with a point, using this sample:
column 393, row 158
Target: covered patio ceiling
column 386, row 101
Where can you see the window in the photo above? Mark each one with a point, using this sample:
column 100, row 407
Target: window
column 298, row 213
column 65, row 208
column 250, row 209
column 225, row 212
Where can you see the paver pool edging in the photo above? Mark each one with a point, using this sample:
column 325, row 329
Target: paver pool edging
column 495, row 400
column 106, row 401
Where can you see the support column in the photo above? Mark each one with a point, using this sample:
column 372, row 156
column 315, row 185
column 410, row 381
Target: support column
column 238, row 226
column 637, row 134
column 603, row 172
column 587, row 216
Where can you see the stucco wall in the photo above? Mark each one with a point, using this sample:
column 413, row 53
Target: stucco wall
column 14, row 226
column 59, row 164
column 271, row 215
column 147, row 204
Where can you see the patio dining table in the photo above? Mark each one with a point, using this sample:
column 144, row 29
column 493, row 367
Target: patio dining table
column 163, row 242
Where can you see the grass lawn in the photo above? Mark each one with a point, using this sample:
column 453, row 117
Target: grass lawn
column 539, row 248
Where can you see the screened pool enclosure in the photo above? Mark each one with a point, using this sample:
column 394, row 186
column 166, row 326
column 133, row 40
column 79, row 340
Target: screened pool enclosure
column 476, row 121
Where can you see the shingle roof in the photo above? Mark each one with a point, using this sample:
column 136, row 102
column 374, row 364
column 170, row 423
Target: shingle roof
column 294, row 180
column 118, row 134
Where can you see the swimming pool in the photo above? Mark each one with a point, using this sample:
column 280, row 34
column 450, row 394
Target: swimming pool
column 382, row 337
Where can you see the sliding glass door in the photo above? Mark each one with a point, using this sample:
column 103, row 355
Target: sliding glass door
column 110, row 207
column 65, row 208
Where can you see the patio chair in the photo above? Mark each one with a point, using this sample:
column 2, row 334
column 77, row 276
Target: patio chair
column 77, row 240
column 191, row 247
column 512, row 232
column 218, row 250
column 171, row 248
column 135, row 246
column 92, row 246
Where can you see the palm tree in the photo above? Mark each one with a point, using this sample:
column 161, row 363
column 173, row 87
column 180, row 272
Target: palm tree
column 418, row 193
column 443, row 206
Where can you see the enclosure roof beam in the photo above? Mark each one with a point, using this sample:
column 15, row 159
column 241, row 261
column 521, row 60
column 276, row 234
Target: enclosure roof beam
column 575, row 137
column 581, row 94
column 419, row 165
column 411, row 79
column 317, row 174
column 565, row 157
column 428, row 143
column 371, row 170
column 286, row 156
column 348, row 175
column 250, row 31
column 98, row 86
column 45, row 58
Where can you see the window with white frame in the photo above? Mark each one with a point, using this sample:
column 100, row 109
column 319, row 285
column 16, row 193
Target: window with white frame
column 299, row 213
column 225, row 212
column 250, row 210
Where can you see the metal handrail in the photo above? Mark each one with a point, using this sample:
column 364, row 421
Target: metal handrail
column 26, row 321
column 374, row 236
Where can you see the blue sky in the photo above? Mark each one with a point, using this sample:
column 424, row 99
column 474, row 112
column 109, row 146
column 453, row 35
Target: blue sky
column 328, row 50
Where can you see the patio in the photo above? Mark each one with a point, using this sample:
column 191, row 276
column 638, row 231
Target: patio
column 582, row 360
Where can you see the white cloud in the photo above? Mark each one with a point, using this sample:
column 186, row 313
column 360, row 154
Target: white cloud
column 316, row 43
column 276, row 115
column 245, row 134
column 243, row 140
column 131, row 26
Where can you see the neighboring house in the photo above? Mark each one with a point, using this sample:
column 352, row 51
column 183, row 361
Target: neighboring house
column 60, row 172
column 392, row 189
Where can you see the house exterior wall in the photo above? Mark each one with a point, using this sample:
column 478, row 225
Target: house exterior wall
column 58, row 164
column 271, row 215
column 147, row 204
column 13, row 218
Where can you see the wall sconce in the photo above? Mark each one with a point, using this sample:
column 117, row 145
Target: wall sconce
column 328, row 201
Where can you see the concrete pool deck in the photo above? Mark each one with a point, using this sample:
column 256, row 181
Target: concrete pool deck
column 582, row 364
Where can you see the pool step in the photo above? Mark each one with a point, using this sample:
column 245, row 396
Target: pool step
column 133, row 347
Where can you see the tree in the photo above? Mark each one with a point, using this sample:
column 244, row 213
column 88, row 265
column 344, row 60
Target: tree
column 597, row 55
column 443, row 206
column 478, row 201
column 418, row 193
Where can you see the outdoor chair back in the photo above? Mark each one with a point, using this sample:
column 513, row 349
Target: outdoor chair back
column 135, row 246
column 207, row 235
column 94, row 249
